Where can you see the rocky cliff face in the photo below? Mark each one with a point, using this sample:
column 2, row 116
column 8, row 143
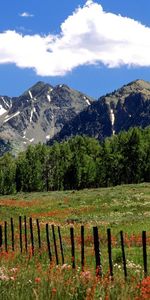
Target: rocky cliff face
column 120, row 110
column 38, row 114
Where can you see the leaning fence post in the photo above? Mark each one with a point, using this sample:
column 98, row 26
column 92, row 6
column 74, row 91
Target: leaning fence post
column 5, row 233
column 123, row 254
column 61, row 246
column 39, row 233
column 25, row 234
column 1, row 237
column 31, row 234
column 20, row 232
column 12, row 234
column 72, row 247
column 144, row 252
column 110, row 252
column 48, row 243
column 97, row 252
column 82, row 247
column 55, row 245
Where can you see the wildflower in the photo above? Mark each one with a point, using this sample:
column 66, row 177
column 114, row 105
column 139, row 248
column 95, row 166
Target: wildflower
column 4, row 277
column 66, row 267
column 54, row 290
column 12, row 278
column 86, row 274
column 88, row 292
column 30, row 281
column 14, row 270
column 144, row 287
column 37, row 279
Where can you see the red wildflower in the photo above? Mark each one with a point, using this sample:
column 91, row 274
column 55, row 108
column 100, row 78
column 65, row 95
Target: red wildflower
column 37, row 279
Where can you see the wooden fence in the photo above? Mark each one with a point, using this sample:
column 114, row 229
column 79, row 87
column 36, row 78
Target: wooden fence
column 23, row 236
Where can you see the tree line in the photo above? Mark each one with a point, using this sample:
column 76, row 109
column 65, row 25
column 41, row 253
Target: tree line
column 80, row 162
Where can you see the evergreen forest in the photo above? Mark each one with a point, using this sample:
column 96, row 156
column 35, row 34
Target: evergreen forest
column 78, row 163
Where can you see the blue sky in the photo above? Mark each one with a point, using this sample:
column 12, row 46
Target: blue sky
column 95, row 48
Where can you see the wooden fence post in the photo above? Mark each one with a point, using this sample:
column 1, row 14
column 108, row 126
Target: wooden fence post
column 55, row 245
column 25, row 234
column 20, row 232
column 48, row 243
column 1, row 237
column 61, row 246
column 110, row 252
column 39, row 234
column 5, row 233
column 12, row 234
column 31, row 235
column 82, row 247
column 123, row 255
column 72, row 247
column 97, row 252
column 144, row 252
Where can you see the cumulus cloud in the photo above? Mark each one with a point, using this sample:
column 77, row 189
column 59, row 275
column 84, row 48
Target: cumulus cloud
column 26, row 14
column 88, row 36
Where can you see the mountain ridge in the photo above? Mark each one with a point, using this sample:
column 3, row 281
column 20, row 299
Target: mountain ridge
column 46, row 113
column 126, row 107
column 39, row 113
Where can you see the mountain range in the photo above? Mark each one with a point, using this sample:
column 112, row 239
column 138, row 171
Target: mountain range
column 45, row 113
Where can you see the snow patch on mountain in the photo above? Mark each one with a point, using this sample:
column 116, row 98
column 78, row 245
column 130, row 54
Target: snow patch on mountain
column 12, row 116
column 32, row 111
column 6, row 104
column 48, row 98
column 30, row 94
column 87, row 100
column 112, row 117
column 31, row 140
column 47, row 137
column 24, row 134
column 2, row 110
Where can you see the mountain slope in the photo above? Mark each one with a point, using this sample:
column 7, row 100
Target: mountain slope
column 38, row 114
column 127, row 107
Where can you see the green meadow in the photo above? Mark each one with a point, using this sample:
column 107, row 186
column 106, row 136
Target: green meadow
column 24, row 276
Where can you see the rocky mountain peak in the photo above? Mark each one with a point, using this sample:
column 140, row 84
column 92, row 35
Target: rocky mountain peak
column 39, row 113
column 139, row 84
column 126, row 107
column 135, row 87
column 37, row 89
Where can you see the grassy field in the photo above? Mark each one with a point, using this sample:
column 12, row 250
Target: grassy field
column 124, row 208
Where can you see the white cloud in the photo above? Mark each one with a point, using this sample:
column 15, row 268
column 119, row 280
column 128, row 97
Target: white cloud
column 26, row 14
column 89, row 36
